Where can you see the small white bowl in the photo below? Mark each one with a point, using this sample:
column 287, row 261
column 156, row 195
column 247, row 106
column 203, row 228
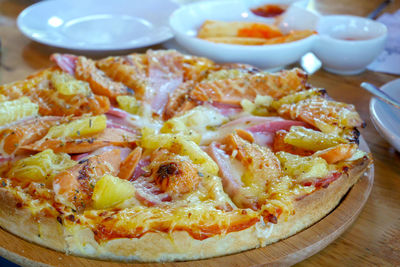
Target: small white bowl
column 347, row 44
column 385, row 117
column 186, row 21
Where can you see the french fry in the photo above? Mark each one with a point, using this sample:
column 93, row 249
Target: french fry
column 237, row 40
column 212, row 28
column 247, row 33
column 291, row 37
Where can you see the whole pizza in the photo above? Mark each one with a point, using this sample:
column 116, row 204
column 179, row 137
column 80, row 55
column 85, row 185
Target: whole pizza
column 163, row 156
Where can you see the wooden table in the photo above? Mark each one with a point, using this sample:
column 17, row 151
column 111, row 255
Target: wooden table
column 374, row 238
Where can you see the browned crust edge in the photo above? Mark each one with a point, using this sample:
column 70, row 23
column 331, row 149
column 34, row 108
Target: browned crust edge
column 179, row 245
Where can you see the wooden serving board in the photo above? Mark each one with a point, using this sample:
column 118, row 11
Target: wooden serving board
column 283, row 253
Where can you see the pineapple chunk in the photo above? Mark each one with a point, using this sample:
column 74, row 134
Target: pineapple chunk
column 110, row 191
column 303, row 168
column 17, row 109
column 66, row 84
column 3, row 98
column 296, row 97
column 259, row 107
column 180, row 144
column 311, row 140
column 81, row 127
column 128, row 103
column 41, row 167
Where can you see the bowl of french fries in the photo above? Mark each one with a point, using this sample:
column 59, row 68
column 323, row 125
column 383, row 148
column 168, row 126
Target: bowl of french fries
column 228, row 31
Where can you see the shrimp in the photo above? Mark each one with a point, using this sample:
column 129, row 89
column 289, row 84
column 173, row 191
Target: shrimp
column 109, row 136
column 74, row 187
column 233, row 91
column 327, row 116
column 99, row 83
column 173, row 173
column 130, row 70
column 25, row 132
column 128, row 166
column 337, row 153
column 39, row 89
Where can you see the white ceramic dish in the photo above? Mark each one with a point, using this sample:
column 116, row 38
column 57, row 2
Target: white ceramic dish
column 347, row 44
column 385, row 117
column 186, row 20
column 97, row 24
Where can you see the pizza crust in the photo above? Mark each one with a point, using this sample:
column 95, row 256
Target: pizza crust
column 40, row 228
column 179, row 245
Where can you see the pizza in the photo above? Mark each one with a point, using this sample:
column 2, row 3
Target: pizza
column 162, row 156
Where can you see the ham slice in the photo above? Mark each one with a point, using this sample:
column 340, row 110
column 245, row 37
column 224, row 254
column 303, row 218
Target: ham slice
column 124, row 152
column 66, row 62
column 264, row 133
column 148, row 193
column 139, row 171
column 121, row 121
column 165, row 75
column 231, row 181
column 117, row 112
column 228, row 110
column 231, row 178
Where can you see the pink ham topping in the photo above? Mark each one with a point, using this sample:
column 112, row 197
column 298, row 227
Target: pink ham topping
column 66, row 62
column 264, row 133
column 230, row 181
column 227, row 109
column 124, row 153
column 165, row 75
column 117, row 112
column 231, row 178
column 140, row 171
column 148, row 193
column 120, row 122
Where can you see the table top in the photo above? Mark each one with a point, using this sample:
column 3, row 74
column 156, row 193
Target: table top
column 374, row 238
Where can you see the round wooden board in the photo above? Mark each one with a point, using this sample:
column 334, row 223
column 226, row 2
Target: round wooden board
column 283, row 253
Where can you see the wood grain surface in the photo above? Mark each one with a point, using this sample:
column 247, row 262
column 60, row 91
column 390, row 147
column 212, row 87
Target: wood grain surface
column 373, row 239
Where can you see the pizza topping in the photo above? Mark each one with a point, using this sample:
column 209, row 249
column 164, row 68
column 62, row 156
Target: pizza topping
column 24, row 132
column 40, row 90
column 130, row 70
column 129, row 164
column 327, row 116
column 66, row 62
column 233, row 91
column 74, row 187
column 110, row 191
column 173, row 174
column 165, row 75
column 187, row 144
column 41, row 167
column 303, row 168
column 337, row 153
column 100, row 84
column 15, row 110
column 83, row 135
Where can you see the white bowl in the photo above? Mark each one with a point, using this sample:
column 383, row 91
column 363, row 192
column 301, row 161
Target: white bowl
column 347, row 44
column 385, row 117
column 187, row 20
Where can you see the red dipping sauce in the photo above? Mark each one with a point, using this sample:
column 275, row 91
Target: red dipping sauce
column 268, row 11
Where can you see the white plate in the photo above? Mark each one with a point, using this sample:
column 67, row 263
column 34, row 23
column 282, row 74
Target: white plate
column 186, row 21
column 97, row 24
column 385, row 117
